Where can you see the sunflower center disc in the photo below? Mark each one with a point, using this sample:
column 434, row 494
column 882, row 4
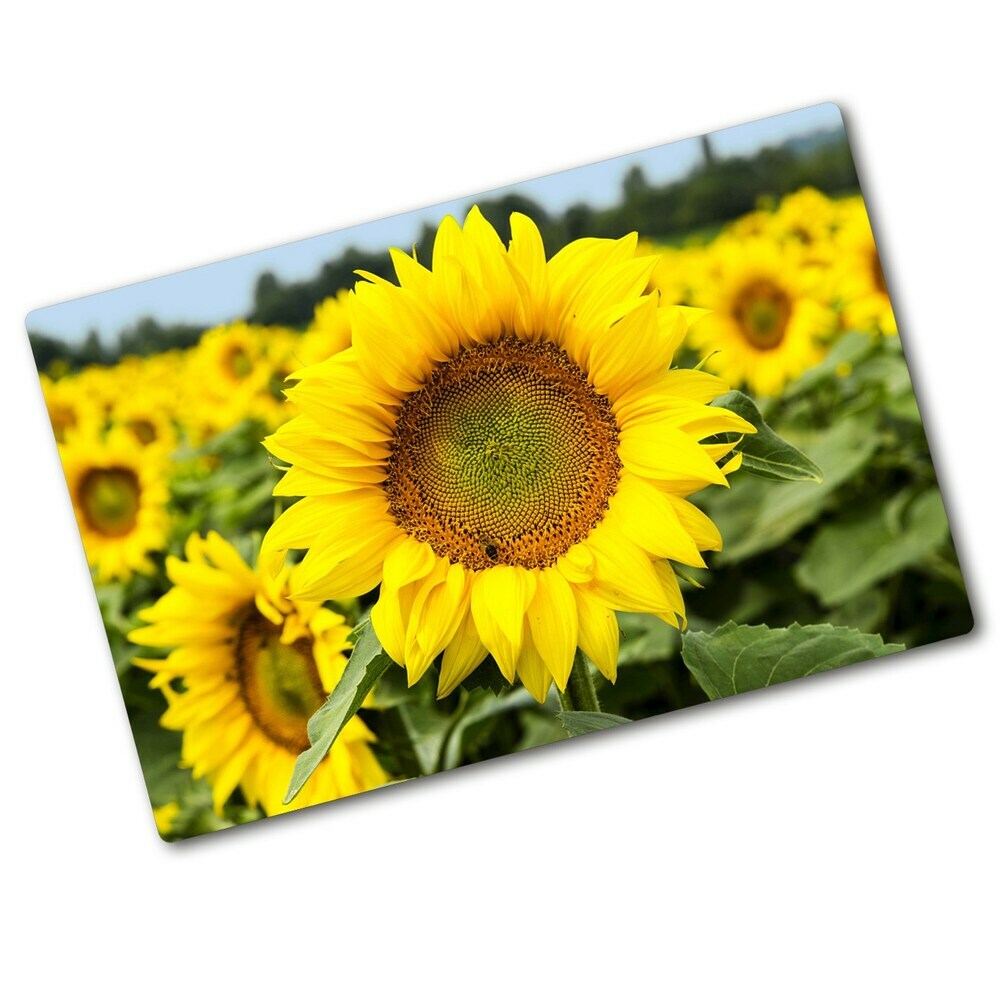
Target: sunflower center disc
column 239, row 363
column 143, row 430
column 109, row 499
column 278, row 681
column 878, row 276
column 762, row 310
column 507, row 456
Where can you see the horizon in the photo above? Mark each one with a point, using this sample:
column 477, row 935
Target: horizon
column 222, row 291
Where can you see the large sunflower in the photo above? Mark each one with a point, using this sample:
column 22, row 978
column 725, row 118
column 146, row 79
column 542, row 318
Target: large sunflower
column 119, row 492
column 254, row 667
column 766, row 323
column 506, row 450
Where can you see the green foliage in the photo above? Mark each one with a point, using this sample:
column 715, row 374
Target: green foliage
column 757, row 515
column 367, row 663
column 737, row 658
column 579, row 723
column 863, row 547
column 145, row 337
column 225, row 485
column 765, row 454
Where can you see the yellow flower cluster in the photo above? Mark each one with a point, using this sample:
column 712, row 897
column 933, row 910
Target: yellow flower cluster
column 119, row 428
column 779, row 284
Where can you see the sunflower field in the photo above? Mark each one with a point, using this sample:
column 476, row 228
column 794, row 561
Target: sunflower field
column 511, row 494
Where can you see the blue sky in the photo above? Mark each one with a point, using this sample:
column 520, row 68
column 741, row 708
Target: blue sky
column 217, row 293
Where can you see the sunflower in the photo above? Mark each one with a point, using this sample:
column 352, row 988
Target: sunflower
column 70, row 406
column 766, row 323
column 119, row 494
column 145, row 414
column 330, row 330
column 505, row 450
column 254, row 666
column 806, row 217
column 858, row 279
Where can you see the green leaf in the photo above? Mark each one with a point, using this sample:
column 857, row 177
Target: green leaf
column 645, row 639
column 848, row 350
column 480, row 708
column 848, row 556
column 486, row 677
column 578, row 723
column 765, row 454
column 755, row 517
column 737, row 658
column 367, row 663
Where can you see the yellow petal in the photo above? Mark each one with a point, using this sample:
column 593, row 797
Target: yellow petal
column 342, row 564
column 553, row 624
column 464, row 653
column 624, row 576
column 646, row 516
column 697, row 524
column 671, row 588
column 629, row 352
column 532, row 670
column 655, row 450
column 500, row 599
column 440, row 605
column 598, row 632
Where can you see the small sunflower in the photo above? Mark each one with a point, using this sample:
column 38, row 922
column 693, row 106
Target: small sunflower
column 254, row 666
column 857, row 277
column 71, row 407
column 146, row 416
column 806, row 217
column 119, row 492
column 506, row 451
column 764, row 322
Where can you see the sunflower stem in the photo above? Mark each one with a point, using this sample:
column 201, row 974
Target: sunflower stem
column 580, row 694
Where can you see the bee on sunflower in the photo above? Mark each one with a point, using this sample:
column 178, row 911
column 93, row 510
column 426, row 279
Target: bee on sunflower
column 506, row 453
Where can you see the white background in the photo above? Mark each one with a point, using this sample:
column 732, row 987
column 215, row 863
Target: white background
column 836, row 837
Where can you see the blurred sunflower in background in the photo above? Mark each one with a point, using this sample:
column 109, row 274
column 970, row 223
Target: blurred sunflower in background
column 249, row 666
column 146, row 415
column 506, row 451
column 329, row 332
column 857, row 276
column 766, row 325
column 70, row 408
column 119, row 493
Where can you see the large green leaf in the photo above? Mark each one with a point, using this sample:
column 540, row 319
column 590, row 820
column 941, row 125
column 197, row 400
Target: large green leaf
column 579, row 723
column 367, row 663
column 848, row 556
column 754, row 516
column 736, row 658
column 766, row 454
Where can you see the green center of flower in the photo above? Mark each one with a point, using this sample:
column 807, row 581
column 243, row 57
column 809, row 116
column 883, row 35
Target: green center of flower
column 239, row 363
column 762, row 311
column 506, row 456
column 278, row 681
column 109, row 500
